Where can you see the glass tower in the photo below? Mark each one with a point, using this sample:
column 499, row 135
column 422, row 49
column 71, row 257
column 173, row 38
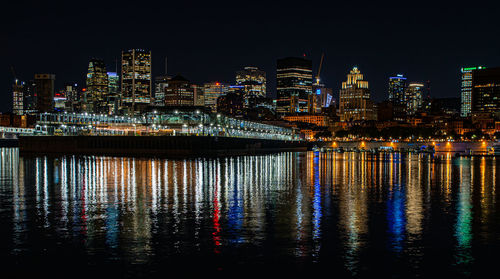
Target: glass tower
column 293, row 84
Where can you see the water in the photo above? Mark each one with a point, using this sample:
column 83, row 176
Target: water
column 294, row 214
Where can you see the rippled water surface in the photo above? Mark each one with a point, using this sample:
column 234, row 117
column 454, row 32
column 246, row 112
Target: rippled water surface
column 349, row 215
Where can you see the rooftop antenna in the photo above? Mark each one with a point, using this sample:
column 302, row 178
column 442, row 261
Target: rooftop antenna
column 165, row 65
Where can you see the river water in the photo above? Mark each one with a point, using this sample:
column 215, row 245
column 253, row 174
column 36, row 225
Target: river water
column 293, row 214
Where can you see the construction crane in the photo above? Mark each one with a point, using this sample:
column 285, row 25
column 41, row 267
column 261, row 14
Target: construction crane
column 13, row 73
column 319, row 69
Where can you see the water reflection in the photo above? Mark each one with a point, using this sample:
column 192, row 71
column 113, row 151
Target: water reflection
column 351, row 210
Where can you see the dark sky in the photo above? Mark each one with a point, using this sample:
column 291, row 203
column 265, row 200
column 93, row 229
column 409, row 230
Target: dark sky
column 210, row 41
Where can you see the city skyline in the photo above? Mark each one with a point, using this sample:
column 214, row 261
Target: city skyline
column 438, row 57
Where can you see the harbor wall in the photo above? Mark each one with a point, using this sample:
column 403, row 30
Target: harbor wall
column 169, row 146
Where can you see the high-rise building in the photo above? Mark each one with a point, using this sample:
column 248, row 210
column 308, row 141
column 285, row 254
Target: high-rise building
column 293, row 84
column 355, row 103
column 18, row 97
column 161, row 82
column 72, row 96
column 179, row 92
column 44, row 91
column 253, row 82
column 29, row 97
column 96, row 97
column 466, row 90
column 136, row 80
column 414, row 94
column 397, row 88
column 212, row 91
column 485, row 90
column 113, row 100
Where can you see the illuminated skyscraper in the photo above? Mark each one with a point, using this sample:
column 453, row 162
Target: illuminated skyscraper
column 136, row 80
column 212, row 91
column 18, row 97
column 97, row 87
column 414, row 94
column 355, row 103
column 44, row 91
column 253, row 82
column 466, row 90
column 293, row 84
column 485, row 90
column 397, row 87
column 29, row 97
column 113, row 100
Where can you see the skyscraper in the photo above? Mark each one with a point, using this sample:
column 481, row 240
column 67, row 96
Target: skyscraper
column 466, row 90
column 113, row 100
column 29, row 97
column 18, row 97
column 136, row 80
column 253, row 82
column 355, row 103
column 293, row 84
column 44, row 91
column 212, row 91
column 397, row 88
column 97, row 87
column 414, row 94
column 485, row 90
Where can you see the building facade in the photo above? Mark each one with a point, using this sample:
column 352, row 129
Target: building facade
column 466, row 90
column 44, row 92
column 179, row 92
column 136, row 82
column 97, row 87
column 18, row 97
column 354, row 98
column 293, row 84
column 253, row 83
column 212, row 91
column 414, row 94
column 161, row 82
column 485, row 90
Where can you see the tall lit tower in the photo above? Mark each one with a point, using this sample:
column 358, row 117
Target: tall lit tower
column 414, row 96
column 355, row 103
column 253, row 82
column 136, row 80
column 466, row 90
column 18, row 97
column 97, row 87
column 293, row 84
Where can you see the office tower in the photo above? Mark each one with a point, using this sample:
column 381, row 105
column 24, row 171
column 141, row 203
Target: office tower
column 355, row 103
column 466, row 90
column 253, row 82
column 179, row 92
column 18, row 97
column 44, row 92
column 485, row 90
column 414, row 94
column 29, row 98
column 136, row 80
column 397, row 88
column 231, row 104
column 293, row 84
column 113, row 100
column 212, row 91
column 95, row 99
column 161, row 82
column 72, row 96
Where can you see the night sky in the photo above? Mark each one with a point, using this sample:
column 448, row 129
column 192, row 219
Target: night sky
column 210, row 41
